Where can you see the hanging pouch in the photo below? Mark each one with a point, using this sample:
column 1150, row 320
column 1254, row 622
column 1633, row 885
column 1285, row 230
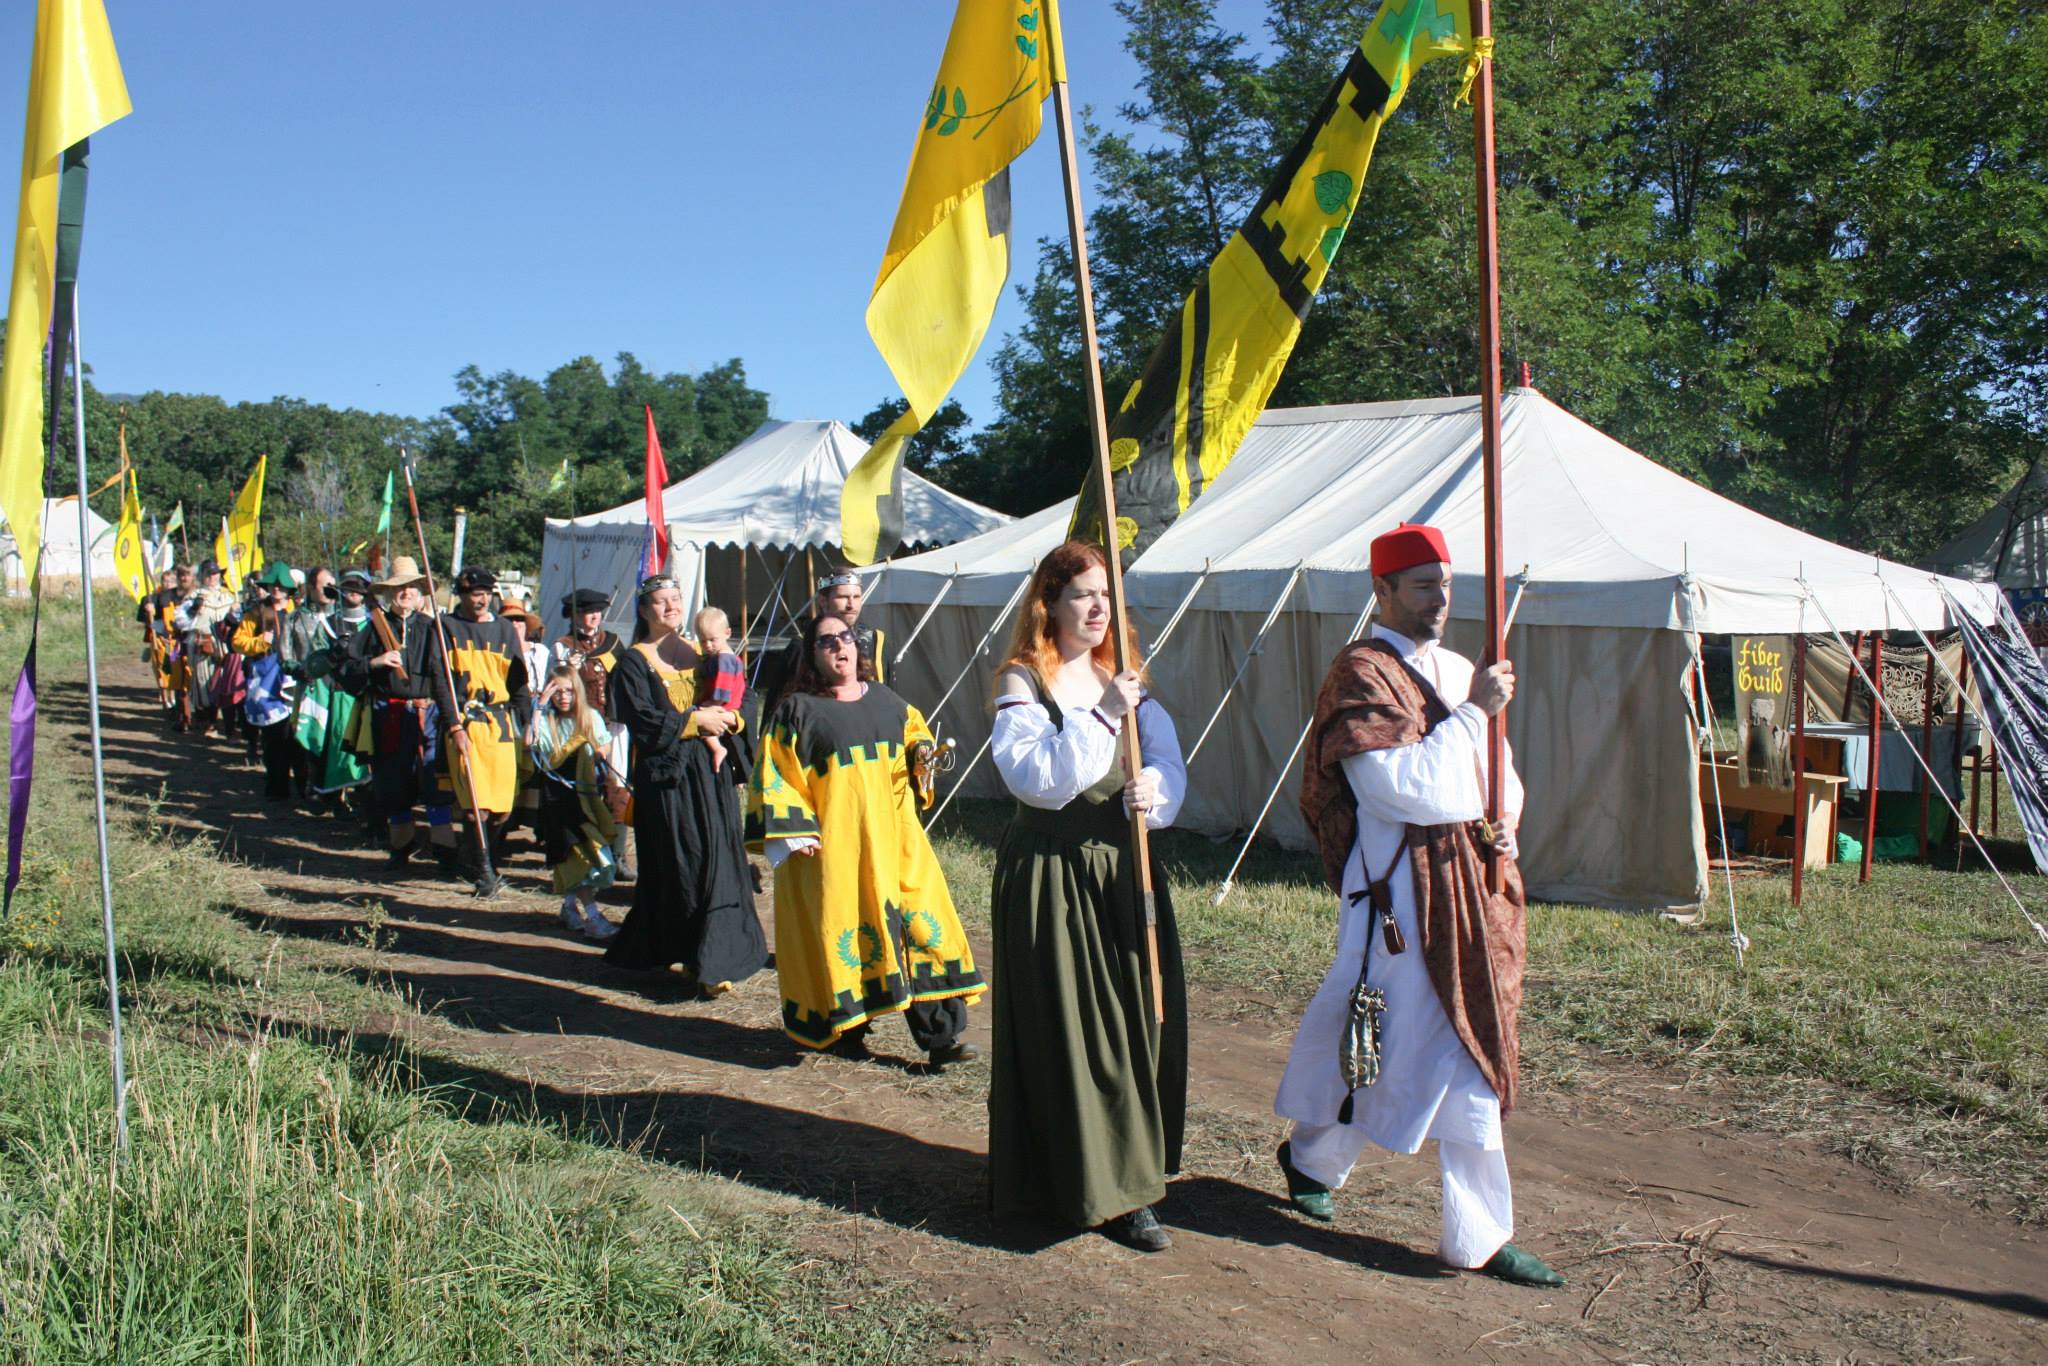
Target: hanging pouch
column 1358, row 1050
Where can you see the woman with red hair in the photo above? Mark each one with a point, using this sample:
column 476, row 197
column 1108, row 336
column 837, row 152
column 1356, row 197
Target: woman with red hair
column 1088, row 1091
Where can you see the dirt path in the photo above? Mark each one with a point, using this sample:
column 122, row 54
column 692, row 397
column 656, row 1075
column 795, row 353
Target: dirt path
column 1683, row 1238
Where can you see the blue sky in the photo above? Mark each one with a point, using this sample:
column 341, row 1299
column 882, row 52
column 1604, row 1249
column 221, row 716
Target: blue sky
column 348, row 203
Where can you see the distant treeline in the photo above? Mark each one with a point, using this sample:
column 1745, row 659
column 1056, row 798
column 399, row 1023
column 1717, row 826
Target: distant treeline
column 496, row 451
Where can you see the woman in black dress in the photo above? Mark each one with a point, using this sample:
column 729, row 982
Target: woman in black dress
column 693, row 904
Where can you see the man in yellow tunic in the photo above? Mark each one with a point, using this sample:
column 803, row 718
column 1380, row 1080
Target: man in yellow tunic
column 864, row 923
column 491, row 697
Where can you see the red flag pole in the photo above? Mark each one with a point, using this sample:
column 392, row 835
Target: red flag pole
column 1489, row 398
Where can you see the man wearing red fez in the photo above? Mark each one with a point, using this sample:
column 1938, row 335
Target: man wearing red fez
column 1428, row 972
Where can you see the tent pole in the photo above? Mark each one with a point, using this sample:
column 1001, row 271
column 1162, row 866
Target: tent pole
column 746, row 607
column 1871, row 769
column 1798, row 766
column 1977, row 765
column 1489, row 404
column 1926, row 749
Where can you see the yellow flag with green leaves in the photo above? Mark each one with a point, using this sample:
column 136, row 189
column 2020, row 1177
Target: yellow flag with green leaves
column 949, row 252
column 1214, row 368
column 75, row 89
column 130, row 565
column 244, row 555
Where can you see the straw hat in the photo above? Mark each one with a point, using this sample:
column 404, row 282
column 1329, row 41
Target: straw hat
column 405, row 573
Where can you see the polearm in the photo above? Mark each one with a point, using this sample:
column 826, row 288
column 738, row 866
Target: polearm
column 1489, row 402
column 1098, row 431
column 487, row 884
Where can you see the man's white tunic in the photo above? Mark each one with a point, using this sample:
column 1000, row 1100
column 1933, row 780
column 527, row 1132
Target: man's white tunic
column 1429, row 1087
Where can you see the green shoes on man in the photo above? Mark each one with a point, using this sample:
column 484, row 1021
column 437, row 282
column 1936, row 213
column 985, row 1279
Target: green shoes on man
column 1520, row 1267
column 1307, row 1194
column 1316, row 1200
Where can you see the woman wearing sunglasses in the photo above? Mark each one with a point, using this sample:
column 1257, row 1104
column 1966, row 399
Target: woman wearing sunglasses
column 864, row 924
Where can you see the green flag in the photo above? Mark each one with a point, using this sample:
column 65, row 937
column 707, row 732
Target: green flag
column 177, row 522
column 384, row 517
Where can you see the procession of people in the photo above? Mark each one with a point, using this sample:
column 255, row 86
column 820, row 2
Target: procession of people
column 659, row 764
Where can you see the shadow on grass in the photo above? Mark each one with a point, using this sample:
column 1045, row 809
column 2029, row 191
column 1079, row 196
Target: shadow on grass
column 899, row 1179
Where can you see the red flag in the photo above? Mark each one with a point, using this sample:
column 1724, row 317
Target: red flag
column 657, row 518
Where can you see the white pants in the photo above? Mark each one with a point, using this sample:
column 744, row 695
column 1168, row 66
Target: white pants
column 1478, row 1203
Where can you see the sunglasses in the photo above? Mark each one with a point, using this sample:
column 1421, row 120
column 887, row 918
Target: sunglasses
column 832, row 640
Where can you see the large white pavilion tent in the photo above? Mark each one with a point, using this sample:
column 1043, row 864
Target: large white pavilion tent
column 1627, row 563
column 761, row 505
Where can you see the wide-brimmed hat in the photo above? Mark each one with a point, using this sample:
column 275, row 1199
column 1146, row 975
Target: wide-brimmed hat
column 404, row 573
column 534, row 625
column 210, row 567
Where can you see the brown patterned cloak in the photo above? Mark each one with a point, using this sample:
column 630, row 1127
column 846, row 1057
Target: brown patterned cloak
column 1473, row 941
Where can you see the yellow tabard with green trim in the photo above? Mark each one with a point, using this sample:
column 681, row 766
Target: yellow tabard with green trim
column 865, row 925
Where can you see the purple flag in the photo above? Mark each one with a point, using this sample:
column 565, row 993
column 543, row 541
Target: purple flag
column 21, row 763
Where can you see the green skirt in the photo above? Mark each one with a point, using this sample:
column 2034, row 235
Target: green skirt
column 1088, row 1094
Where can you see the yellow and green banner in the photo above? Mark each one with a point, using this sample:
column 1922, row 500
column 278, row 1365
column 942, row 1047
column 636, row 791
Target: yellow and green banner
column 75, row 89
column 236, row 547
column 949, row 251
column 1214, row 368
column 131, row 566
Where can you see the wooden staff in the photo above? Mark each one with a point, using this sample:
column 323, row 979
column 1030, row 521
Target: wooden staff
column 1798, row 767
column 1098, row 431
column 487, row 884
column 1489, row 409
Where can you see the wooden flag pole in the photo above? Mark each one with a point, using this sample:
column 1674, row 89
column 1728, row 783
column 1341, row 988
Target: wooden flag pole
column 1098, row 431
column 1489, row 405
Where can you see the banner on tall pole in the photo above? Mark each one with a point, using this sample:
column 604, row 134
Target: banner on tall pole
column 1215, row 366
column 75, row 88
column 656, row 559
column 949, row 251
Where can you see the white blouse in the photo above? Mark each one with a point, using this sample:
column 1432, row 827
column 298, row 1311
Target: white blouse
column 1047, row 766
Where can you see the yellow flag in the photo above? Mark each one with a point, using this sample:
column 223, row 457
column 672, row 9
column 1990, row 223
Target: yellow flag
column 224, row 557
column 949, row 252
column 246, row 554
column 130, row 566
column 74, row 90
column 1217, row 362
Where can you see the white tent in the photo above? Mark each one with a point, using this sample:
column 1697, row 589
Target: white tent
column 61, row 559
column 2008, row 545
column 767, row 500
column 1626, row 562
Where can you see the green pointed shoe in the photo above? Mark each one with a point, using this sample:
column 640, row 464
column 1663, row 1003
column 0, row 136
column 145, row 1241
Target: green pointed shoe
column 1305, row 1193
column 1513, row 1264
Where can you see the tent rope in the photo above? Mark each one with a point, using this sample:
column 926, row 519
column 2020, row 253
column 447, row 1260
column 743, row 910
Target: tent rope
column 1223, row 888
column 918, row 629
column 1256, row 648
column 1703, row 727
column 982, row 648
column 1870, row 786
column 1165, row 635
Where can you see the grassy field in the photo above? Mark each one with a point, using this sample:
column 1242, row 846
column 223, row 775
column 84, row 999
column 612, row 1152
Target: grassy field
column 291, row 1198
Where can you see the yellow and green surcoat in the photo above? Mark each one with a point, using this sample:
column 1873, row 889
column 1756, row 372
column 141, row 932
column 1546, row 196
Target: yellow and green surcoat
column 865, row 925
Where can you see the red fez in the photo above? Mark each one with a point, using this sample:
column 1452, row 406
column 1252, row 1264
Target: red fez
column 1406, row 546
